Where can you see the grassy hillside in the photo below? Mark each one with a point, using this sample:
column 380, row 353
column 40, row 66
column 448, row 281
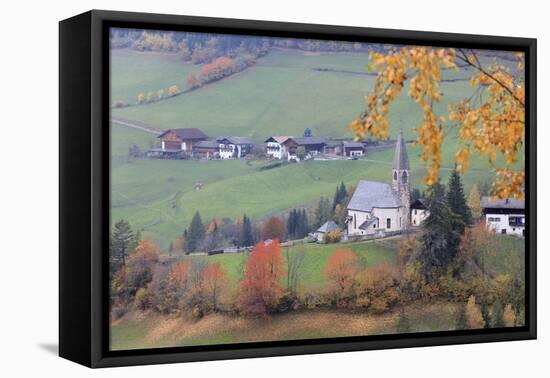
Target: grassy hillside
column 134, row 72
column 282, row 94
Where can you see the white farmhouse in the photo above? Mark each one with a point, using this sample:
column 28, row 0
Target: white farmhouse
column 419, row 212
column 234, row 147
column 506, row 216
column 380, row 207
column 275, row 146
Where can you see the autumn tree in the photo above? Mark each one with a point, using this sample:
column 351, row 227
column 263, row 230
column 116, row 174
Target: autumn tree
column 214, row 283
column 490, row 121
column 474, row 202
column 274, row 228
column 473, row 314
column 138, row 271
column 173, row 90
column 261, row 287
column 341, row 274
column 377, row 288
column 193, row 81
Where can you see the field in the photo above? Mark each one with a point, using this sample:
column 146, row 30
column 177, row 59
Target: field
column 316, row 257
column 137, row 331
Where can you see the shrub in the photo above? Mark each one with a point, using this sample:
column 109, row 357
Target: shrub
column 333, row 237
column 144, row 299
column 473, row 314
column 378, row 288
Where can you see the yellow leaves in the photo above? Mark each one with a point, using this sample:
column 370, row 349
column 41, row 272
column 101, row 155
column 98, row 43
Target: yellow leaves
column 462, row 159
column 494, row 125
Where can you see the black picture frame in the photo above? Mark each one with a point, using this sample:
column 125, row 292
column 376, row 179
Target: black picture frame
column 84, row 188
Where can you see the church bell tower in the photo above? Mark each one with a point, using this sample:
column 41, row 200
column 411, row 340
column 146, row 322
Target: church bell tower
column 401, row 177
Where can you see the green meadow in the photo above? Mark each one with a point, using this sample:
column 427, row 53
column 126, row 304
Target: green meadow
column 315, row 259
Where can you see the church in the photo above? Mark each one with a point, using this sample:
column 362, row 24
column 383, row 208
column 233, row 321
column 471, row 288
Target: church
column 377, row 207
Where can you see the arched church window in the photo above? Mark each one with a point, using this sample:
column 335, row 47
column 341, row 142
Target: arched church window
column 404, row 177
column 395, row 175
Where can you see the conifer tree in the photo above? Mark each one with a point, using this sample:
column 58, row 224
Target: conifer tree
column 302, row 229
column 122, row 238
column 247, row 238
column 323, row 212
column 195, row 234
column 435, row 254
column 462, row 218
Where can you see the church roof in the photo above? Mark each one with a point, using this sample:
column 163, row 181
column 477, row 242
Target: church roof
column 400, row 159
column 369, row 194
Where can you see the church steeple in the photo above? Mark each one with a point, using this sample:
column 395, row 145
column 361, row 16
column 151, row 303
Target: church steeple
column 400, row 159
column 401, row 176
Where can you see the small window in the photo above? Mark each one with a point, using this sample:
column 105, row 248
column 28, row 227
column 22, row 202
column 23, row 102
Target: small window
column 503, row 231
column 415, row 211
column 388, row 223
column 395, row 175
column 404, row 177
column 374, row 226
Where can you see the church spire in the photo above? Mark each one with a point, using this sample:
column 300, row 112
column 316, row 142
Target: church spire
column 400, row 159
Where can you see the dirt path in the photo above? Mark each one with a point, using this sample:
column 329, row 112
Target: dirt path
column 135, row 125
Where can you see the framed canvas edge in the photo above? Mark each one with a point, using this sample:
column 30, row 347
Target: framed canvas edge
column 100, row 357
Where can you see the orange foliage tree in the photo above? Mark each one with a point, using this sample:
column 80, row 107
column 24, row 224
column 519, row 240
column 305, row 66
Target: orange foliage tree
column 341, row 274
column 491, row 121
column 220, row 64
column 261, row 287
column 214, row 283
column 274, row 229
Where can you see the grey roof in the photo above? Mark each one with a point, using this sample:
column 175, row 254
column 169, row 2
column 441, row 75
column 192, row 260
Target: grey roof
column 235, row 139
column 369, row 222
column 353, row 145
column 309, row 140
column 421, row 203
column 507, row 203
column 187, row 133
column 207, row 144
column 328, row 227
column 400, row 159
column 369, row 194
